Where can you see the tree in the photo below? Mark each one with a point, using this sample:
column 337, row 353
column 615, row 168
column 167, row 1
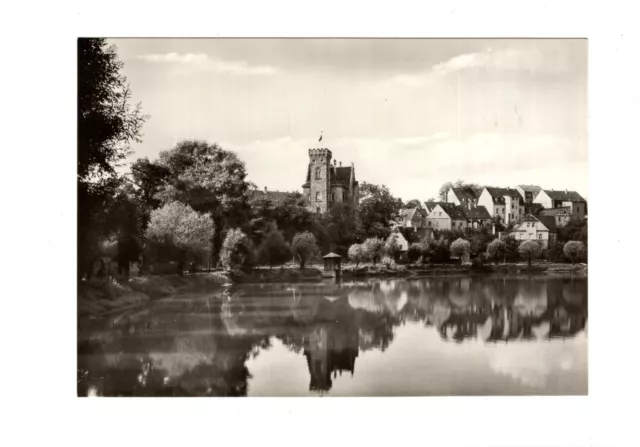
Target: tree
column 480, row 239
column 376, row 209
column 444, row 189
column 211, row 180
column 304, row 247
column 529, row 250
column 392, row 247
column 497, row 249
column 274, row 249
column 415, row 252
column 511, row 246
column 573, row 250
column 356, row 254
column 106, row 126
column 460, row 248
column 415, row 203
column 124, row 226
column 237, row 251
column 148, row 177
column 437, row 250
column 178, row 233
column 373, row 249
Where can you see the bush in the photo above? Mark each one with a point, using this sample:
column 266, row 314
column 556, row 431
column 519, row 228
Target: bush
column 237, row 251
column 511, row 247
column 460, row 248
column 436, row 250
column 356, row 254
column 178, row 233
column 392, row 248
column 415, row 252
column 574, row 250
column 530, row 250
column 274, row 249
column 304, row 247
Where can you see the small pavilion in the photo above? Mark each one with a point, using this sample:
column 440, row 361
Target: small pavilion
column 332, row 263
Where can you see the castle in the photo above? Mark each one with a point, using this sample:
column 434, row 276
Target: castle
column 327, row 184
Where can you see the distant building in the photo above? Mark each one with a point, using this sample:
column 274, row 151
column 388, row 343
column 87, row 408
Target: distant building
column 277, row 198
column 528, row 192
column 327, row 184
column 413, row 218
column 465, row 197
column 446, row 216
column 504, row 203
column 550, row 198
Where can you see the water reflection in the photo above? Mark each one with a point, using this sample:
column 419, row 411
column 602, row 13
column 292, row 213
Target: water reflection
column 201, row 345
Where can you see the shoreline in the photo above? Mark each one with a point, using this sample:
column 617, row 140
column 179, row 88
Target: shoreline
column 98, row 299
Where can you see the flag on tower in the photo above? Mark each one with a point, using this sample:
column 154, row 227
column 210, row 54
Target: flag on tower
column 320, row 139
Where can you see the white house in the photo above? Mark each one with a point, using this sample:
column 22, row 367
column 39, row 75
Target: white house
column 505, row 203
column 532, row 228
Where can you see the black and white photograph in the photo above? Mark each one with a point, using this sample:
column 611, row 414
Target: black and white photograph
column 332, row 217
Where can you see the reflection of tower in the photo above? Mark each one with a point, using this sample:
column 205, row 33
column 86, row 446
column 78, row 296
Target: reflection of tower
column 330, row 349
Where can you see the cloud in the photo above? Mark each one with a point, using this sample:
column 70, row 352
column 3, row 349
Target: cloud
column 532, row 61
column 203, row 62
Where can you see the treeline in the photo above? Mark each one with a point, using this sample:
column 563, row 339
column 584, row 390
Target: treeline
column 191, row 206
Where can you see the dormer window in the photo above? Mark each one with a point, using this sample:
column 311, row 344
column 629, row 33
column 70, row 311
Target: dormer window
column 318, row 197
column 318, row 173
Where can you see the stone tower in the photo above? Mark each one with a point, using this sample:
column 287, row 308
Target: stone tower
column 319, row 179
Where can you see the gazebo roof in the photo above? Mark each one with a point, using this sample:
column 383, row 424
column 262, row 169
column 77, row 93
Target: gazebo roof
column 332, row 256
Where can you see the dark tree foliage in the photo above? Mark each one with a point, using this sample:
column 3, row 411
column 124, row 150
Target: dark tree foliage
column 106, row 126
column 376, row 209
column 148, row 177
column 123, row 222
column 574, row 230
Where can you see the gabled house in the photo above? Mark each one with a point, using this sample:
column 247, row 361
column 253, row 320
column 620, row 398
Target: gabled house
column 477, row 217
column 540, row 229
column 504, row 203
column 561, row 215
column 413, row 218
column 445, row 216
column 528, row 192
column 550, row 198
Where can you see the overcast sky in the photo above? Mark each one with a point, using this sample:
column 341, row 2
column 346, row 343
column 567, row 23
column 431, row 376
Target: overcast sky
column 410, row 114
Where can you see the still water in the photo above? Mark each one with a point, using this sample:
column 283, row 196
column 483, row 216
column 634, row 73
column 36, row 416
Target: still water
column 471, row 335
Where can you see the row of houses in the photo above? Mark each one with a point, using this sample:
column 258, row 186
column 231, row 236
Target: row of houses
column 536, row 213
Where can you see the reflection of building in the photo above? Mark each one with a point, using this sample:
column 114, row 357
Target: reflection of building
column 330, row 349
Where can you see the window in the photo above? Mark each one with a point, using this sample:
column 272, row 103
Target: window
column 540, row 236
column 318, row 172
column 333, row 197
column 578, row 207
column 318, row 210
column 460, row 224
column 439, row 214
column 429, row 223
column 318, row 197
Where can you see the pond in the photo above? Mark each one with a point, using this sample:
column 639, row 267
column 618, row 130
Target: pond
column 436, row 336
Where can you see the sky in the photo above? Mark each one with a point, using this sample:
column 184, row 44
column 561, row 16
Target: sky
column 408, row 113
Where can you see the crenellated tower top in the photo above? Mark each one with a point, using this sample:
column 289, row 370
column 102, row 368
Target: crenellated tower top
column 322, row 153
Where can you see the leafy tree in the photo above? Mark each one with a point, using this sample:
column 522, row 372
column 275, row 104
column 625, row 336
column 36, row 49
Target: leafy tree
column 304, row 247
column 460, row 248
column 392, row 247
column 376, row 209
column 274, row 249
column 415, row 252
column 415, row 203
column 356, row 254
column 511, row 246
column 211, row 180
column 340, row 227
column 178, row 233
column 497, row 249
column 573, row 250
column 444, row 189
column 237, row 251
column 437, row 250
column 574, row 230
column 124, row 226
column 106, row 126
column 148, row 177
column 373, row 249
column 529, row 250
column 480, row 239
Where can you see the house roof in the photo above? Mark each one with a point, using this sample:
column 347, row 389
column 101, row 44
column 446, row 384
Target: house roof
column 339, row 176
column 549, row 222
column 408, row 213
column 555, row 211
column 277, row 197
column 530, row 188
column 569, row 196
column 465, row 193
column 431, row 205
column 478, row 212
column 332, row 256
column 498, row 194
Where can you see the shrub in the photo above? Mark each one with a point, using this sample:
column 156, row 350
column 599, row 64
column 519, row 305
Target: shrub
column 460, row 248
column 415, row 252
column 356, row 254
column 237, row 251
column 436, row 250
column 511, row 247
column 574, row 250
column 497, row 249
column 373, row 249
column 529, row 250
column 304, row 247
column 178, row 233
column 274, row 249
column 392, row 248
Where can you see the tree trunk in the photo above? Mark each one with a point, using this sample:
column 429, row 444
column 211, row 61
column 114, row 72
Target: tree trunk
column 529, row 261
column 216, row 241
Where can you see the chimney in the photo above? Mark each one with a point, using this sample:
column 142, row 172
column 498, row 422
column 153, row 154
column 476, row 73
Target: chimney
column 340, row 164
column 265, row 189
